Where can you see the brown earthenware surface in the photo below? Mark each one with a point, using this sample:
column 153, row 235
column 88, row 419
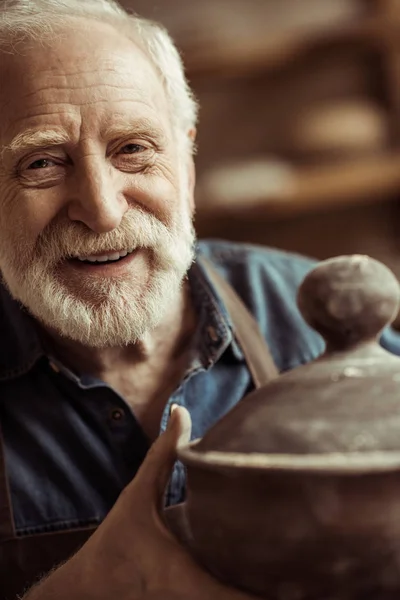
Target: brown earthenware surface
column 294, row 494
column 298, row 536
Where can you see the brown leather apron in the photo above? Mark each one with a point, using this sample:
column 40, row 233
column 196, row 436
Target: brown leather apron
column 25, row 559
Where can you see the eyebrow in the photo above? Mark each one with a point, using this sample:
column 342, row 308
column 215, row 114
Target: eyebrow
column 144, row 127
column 34, row 138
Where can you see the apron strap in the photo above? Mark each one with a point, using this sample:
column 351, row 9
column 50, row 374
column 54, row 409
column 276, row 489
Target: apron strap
column 247, row 332
column 7, row 530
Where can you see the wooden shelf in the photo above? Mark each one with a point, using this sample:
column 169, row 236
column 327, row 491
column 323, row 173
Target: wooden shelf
column 263, row 54
column 317, row 189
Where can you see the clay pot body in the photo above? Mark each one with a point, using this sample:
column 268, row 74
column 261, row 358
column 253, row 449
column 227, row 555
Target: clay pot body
column 295, row 493
column 292, row 535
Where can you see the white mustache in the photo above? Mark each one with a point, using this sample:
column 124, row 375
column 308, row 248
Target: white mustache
column 137, row 230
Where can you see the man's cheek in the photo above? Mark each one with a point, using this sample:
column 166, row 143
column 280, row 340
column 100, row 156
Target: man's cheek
column 158, row 194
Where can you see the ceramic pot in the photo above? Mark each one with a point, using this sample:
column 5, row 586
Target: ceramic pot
column 295, row 493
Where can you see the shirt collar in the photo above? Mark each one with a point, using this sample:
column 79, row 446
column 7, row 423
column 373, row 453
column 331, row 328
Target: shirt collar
column 21, row 347
column 216, row 328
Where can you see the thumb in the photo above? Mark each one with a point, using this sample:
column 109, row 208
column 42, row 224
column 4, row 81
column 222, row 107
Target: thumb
column 155, row 472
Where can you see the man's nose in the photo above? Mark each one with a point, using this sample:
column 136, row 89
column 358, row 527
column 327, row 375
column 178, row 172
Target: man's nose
column 97, row 199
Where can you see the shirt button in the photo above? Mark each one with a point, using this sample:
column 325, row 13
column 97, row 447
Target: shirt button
column 212, row 334
column 117, row 414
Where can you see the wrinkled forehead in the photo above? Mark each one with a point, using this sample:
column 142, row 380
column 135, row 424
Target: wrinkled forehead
column 89, row 64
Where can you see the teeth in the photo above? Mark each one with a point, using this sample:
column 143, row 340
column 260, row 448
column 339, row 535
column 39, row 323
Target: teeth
column 114, row 256
column 97, row 258
column 105, row 257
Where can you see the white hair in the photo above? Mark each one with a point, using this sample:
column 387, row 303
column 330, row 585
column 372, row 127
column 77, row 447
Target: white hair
column 25, row 20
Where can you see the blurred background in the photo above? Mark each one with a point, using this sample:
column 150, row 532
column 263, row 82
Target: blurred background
column 299, row 136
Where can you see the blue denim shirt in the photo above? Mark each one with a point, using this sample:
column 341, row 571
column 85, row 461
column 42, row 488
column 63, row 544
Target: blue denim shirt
column 72, row 444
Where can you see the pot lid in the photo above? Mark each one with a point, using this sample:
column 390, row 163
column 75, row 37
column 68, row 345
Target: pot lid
column 346, row 401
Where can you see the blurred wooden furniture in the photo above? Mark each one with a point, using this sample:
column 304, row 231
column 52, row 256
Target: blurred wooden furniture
column 310, row 84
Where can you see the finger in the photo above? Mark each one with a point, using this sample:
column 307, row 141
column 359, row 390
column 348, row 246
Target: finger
column 185, row 424
column 155, row 472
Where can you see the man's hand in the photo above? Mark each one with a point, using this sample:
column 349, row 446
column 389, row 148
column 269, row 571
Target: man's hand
column 132, row 555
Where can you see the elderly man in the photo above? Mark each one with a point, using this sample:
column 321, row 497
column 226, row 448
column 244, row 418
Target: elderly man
column 110, row 313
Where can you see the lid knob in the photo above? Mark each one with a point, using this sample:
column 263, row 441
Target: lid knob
column 349, row 300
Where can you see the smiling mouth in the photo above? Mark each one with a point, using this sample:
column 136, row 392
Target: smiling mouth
column 103, row 259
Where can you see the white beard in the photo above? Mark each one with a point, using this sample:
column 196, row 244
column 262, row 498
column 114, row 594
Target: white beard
column 121, row 313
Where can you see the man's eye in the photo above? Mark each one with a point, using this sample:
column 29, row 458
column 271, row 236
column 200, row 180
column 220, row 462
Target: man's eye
column 42, row 163
column 131, row 149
